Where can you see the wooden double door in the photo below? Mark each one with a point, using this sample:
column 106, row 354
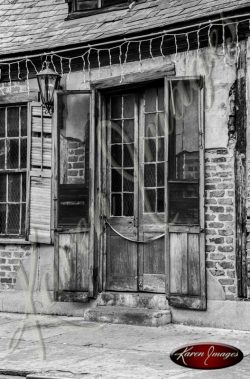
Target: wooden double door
column 136, row 172
column 154, row 186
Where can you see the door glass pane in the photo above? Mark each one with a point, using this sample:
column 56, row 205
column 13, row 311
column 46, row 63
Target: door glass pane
column 13, row 219
column 154, row 151
column 3, row 188
column 121, row 117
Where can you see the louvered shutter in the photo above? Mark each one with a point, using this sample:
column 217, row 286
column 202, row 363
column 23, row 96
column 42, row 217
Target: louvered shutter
column 39, row 189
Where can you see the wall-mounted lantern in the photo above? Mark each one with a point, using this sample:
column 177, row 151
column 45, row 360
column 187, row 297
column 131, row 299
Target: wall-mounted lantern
column 48, row 82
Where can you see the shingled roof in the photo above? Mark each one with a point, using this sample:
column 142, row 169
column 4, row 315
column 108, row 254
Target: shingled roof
column 28, row 25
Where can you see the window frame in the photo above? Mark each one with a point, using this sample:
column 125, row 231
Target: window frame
column 18, row 238
column 74, row 13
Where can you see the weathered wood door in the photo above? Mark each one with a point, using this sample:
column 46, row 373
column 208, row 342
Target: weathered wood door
column 136, row 163
column 155, row 192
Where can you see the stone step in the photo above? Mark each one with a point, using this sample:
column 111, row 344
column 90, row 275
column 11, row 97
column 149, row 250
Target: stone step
column 129, row 316
column 133, row 300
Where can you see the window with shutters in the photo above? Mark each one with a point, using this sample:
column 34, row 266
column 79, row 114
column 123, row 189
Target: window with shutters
column 94, row 6
column 13, row 169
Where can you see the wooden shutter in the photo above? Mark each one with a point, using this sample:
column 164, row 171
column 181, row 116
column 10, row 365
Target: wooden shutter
column 186, row 285
column 39, row 179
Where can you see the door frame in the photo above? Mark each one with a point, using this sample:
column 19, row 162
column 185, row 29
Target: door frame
column 100, row 88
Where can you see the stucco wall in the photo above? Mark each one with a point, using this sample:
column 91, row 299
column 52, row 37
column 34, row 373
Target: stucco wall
column 220, row 74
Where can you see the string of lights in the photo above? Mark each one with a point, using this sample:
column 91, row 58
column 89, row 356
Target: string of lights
column 123, row 48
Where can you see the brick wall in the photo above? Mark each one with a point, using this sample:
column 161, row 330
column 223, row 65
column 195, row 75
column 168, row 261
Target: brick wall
column 220, row 218
column 10, row 260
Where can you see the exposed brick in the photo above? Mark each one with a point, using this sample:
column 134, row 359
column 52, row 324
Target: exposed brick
column 210, row 232
column 210, row 168
column 2, row 260
column 210, row 248
column 210, row 187
column 5, row 254
column 6, row 280
column 226, row 217
column 216, row 225
column 226, row 232
column 72, row 172
column 226, row 282
column 226, row 249
column 210, row 201
column 217, row 209
column 217, row 240
column 217, row 193
column 217, row 180
column 217, row 272
column 79, row 152
column 231, row 273
column 225, row 186
column 210, row 217
column 231, row 289
column 72, row 158
column 218, row 160
column 225, row 201
column 5, row 268
column 230, row 193
column 217, row 256
column 77, row 165
column 227, row 265
column 210, row 264
column 229, row 240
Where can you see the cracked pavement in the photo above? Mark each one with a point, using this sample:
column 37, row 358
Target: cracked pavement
column 68, row 347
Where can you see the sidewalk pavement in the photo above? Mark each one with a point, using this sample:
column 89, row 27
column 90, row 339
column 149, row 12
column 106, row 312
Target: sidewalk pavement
column 64, row 347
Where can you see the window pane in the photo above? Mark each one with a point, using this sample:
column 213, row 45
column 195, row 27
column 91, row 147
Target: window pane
column 13, row 122
column 23, row 121
column 116, row 181
column 128, row 180
column 2, row 188
column 161, row 149
column 116, row 107
column 2, row 218
column 150, row 150
column 160, row 175
column 116, row 155
column 116, row 205
column 2, row 122
column 184, row 141
column 23, row 153
column 128, row 155
column 149, row 175
column 82, row 5
column 12, row 156
column 108, row 3
column 128, row 106
column 13, row 219
column 184, row 203
column 149, row 201
column 161, row 99
column 14, row 187
column 150, row 125
column 116, row 131
column 160, row 200
column 24, row 187
column 23, row 219
column 128, row 131
column 2, row 154
column 128, row 204
column 161, row 124
column 150, row 99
